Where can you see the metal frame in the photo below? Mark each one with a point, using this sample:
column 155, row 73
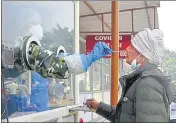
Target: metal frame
column 145, row 2
column 43, row 116
column 76, row 50
column 154, row 17
column 101, row 18
column 92, row 85
column 124, row 10
column 76, row 47
column 102, row 77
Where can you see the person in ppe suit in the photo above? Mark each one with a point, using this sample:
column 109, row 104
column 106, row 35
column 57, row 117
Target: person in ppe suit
column 146, row 92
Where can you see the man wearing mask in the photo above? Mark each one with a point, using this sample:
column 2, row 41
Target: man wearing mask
column 146, row 92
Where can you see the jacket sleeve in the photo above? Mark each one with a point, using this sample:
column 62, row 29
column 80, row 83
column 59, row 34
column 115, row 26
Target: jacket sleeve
column 107, row 111
column 150, row 106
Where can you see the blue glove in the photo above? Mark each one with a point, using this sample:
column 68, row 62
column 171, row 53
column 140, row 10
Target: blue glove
column 100, row 50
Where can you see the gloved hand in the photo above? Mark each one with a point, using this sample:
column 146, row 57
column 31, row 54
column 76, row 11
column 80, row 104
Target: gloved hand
column 79, row 63
column 100, row 50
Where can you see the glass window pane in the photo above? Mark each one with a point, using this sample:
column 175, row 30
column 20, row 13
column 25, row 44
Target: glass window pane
column 97, row 76
column 106, row 77
column 17, row 90
column 82, row 46
column 106, row 97
column 58, row 28
column 84, row 83
column 106, row 60
column 97, row 96
column 82, row 98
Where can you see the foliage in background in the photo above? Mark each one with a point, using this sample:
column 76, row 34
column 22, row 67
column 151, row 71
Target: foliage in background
column 169, row 63
column 58, row 36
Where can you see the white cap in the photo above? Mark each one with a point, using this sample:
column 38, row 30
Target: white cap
column 150, row 44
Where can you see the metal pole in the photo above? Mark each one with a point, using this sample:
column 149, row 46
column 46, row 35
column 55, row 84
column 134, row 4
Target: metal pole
column 92, row 84
column 115, row 55
column 154, row 9
column 76, row 50
column 102, row 79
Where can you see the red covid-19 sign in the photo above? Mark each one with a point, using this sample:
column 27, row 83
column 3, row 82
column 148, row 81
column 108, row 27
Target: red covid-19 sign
column 124, row 42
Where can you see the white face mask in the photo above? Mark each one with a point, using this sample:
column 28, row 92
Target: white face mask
column 134, row 64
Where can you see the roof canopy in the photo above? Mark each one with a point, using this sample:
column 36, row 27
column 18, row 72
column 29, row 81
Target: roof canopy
column 95, row 16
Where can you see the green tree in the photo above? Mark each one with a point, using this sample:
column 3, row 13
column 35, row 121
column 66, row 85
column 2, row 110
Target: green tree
column 58, row 36
column 169, row 63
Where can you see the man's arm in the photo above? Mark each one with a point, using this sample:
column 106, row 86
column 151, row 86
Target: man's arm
column 150, row 106
column 107, row 111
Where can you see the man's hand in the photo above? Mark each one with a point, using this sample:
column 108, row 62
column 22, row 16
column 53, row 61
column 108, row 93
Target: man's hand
column 92, row 104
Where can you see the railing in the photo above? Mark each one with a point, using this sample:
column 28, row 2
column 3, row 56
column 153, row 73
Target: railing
column 43, row 116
